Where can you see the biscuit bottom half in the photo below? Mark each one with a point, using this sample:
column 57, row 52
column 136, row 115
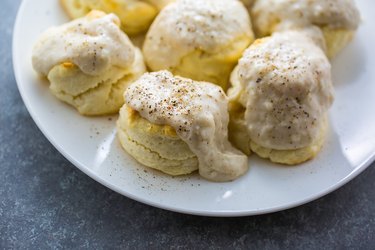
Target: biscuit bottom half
column 240, row 138
column 155, row 146
column 336, row 40
column 94, row 95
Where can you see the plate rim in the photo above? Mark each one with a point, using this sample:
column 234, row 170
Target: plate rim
column 218, row 213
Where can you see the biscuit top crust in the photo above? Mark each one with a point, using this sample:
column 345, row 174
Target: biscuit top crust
column 94, row 43
column 198, row 111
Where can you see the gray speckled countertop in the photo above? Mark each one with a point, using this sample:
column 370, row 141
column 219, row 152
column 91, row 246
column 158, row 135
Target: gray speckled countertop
column 46, row 202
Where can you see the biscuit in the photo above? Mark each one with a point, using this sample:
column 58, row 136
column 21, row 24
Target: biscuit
column 94, row 95
column 336, row 40
column 89, row 63
column 178, row 125
column 248, row 3
column 156, row 146
column 135, row 15
column 281, row 91
column 160, row 4
column 337, row 19
column 292, row 157
column 199, row 39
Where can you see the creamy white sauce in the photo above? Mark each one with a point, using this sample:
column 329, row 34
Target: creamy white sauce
column 93, row 43
column 198, row 112
column 291, row 13
column 187, row 25
column 286, row 88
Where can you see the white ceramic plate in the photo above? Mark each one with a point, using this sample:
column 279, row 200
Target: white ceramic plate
column 91, row 143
